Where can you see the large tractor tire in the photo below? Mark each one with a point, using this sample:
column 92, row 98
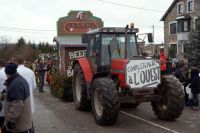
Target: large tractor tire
column 171, row 102
column 105, row 101
column 79, row 89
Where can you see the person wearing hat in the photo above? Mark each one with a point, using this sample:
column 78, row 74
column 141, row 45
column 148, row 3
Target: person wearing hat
column 17, row 102
column 40, row 68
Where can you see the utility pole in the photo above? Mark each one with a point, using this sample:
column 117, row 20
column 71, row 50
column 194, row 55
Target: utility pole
column 126, row 42
column 153, row 52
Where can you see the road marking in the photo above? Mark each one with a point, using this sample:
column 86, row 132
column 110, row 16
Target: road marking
column 149, row 122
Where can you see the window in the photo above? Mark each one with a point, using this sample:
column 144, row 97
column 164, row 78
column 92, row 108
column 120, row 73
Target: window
column 113, row 46
column 180, row 8
column 90, row 47
column 190, row 5
column 197, row 22
column 183, row 25
column 173, row 49
column 172, row 28
column 93, row 48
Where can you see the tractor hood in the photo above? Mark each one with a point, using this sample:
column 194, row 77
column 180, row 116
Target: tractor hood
column 118, row 65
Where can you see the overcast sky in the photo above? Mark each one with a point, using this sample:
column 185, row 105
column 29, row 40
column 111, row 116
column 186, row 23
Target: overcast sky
column 43, row 15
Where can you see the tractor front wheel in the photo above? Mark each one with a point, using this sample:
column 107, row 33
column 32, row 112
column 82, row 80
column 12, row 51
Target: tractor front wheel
column 171, row 102
column 79, row 89
column 105, row 103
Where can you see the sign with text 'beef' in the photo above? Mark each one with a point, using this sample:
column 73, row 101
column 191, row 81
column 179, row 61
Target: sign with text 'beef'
column 72, row 53
column 142, row 73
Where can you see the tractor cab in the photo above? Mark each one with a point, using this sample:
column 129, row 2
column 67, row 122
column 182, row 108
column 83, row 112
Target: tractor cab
column 109, row 43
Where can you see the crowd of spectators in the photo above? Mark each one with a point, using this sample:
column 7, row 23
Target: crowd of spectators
column 188, row 76
column 18, row 79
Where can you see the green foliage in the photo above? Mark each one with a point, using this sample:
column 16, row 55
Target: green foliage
column 28, row 50
column 192, row 49
column 21, row 43
column 45, row 47
column 61, row 86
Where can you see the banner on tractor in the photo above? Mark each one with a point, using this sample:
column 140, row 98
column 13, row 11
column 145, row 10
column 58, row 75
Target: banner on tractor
column 142, row 73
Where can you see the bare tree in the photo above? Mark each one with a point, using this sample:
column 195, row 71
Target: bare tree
column 4, row 40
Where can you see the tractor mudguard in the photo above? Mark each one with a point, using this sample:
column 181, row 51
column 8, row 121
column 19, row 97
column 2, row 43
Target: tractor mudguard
column 85, row 65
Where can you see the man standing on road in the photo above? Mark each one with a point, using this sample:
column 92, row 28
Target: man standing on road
column 40, row 69
column 17, row 102
column 29, row 75
column 2, row 87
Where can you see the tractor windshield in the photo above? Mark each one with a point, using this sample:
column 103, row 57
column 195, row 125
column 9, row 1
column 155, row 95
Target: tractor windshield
column 113, row 46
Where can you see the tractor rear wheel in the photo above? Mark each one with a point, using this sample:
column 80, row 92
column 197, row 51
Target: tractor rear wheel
column 105, row 102
column 171, row 102
column 79, row 89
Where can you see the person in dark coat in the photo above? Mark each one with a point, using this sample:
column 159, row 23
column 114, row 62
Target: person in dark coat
column 195, row 88
column 178, row 71
column 17, row 102
column 40, row 68
column 169, row 64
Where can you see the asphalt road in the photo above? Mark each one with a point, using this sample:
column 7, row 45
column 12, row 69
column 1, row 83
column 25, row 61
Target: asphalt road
column 56, row 116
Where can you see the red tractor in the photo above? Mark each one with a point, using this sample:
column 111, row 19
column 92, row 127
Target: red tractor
column 114, row 73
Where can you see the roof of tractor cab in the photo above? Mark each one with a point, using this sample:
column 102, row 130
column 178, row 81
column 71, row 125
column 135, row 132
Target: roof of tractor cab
column 113, row 30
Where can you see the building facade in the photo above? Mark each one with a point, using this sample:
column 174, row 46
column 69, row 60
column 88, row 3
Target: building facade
column 181, row 17
column 69, row 37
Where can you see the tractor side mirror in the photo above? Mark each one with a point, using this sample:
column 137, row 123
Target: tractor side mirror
column 84, row 38
column 150, row 37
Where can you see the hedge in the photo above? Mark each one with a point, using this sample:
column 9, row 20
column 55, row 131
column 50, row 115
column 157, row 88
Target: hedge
column 61, row 86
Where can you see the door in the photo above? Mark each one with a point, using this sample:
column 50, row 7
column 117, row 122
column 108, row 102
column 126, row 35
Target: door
column 173, row 50
column 93, row 52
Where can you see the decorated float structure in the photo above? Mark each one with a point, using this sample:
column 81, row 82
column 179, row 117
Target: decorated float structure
column 69, row 37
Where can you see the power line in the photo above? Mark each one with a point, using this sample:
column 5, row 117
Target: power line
column 24, row 32
column 26, row 29
column 150, row 27
column 140, row 8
